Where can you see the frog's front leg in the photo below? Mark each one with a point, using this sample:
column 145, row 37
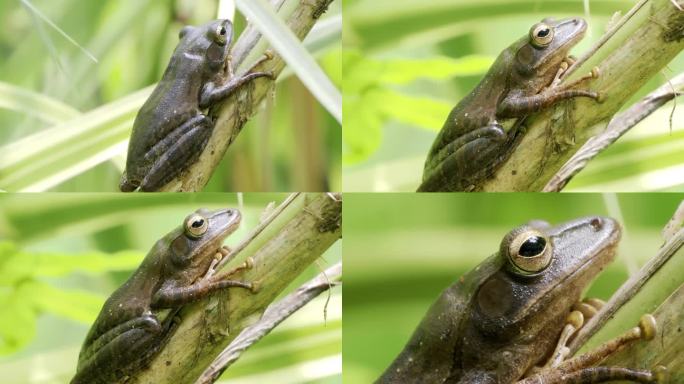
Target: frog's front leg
column 213, row 93
column 178, row 296
column 517, row 104
column 121, row 350
column 462, row 162
column 176, row 152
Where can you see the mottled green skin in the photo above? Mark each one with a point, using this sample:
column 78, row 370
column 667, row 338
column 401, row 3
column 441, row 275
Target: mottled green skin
column 472, row 142
column 494, row 324
column 128, row 332
column 173, row 127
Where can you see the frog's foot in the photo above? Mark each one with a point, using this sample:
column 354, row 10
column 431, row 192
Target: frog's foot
column 589, row 307
column 267, row 56
column 564, row 65
column 247, row 264
column 585, row 309
column 229, row 66
column 574, row 322
column 126, row 185
column 582, row 365
column 592, row 375
column 594, row 74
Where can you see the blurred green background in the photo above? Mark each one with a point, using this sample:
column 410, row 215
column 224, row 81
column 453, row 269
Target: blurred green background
column 47, row 83
column 402, row 250
column 62, row 255
column 407, row 63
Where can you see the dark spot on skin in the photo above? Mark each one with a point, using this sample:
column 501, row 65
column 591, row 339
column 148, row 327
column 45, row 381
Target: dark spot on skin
column 168, row 363
column 514, row 172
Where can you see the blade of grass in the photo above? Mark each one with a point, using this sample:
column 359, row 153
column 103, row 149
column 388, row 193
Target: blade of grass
column 35, row 104
column 49, row 22
column 288, row 46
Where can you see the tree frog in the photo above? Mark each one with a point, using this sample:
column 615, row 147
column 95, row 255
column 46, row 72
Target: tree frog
column 523, row 79
column 505, row 317
column 177, row 270
column 173, row 126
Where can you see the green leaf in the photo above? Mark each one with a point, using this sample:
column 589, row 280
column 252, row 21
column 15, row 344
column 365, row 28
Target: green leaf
column 16, row 266
column 406, row 71
column 75, row 305
column 17, row 320
column 362, row 128
column 421, row 112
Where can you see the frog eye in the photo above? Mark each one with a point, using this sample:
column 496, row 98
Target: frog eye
column 195, row 226
column 541, row 35
column 529, row 251
column 221, row 34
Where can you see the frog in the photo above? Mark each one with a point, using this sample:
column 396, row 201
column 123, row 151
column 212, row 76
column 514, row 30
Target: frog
column 131, row 328
column 174, row 125
column 498, row 322
column 525, row 78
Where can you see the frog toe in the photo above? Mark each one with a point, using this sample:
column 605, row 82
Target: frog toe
column 126, row 185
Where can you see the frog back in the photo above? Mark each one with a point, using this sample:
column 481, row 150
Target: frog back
column 435, row 348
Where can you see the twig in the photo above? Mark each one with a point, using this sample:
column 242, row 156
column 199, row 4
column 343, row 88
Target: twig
column 628, row 290
column 235, row 252
column 235, row 112
column 274, row 315
column 675, row 223
column 617, row 127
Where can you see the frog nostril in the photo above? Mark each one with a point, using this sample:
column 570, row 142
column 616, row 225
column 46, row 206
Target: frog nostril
column 597, row 223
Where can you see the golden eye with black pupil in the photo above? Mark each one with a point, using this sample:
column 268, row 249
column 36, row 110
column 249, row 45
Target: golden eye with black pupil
column 195, row 226
column 529, row 252
column 541, row 35
column 221, row 34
